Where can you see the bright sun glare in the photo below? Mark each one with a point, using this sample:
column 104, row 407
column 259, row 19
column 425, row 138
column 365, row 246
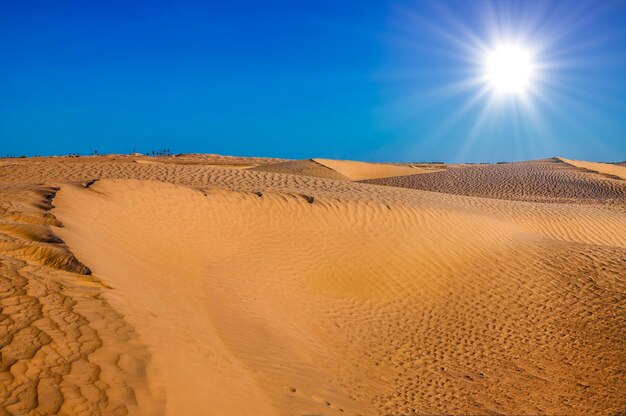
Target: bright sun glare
column 509, row 69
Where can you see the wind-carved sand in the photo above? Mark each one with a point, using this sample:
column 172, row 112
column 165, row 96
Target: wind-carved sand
column 618, row 171
column 203, row 284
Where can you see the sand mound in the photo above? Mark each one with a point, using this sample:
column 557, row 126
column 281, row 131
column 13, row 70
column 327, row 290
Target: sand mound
column 343, row 169
column 303, row 167
column 432, row 305
column 358, row 171
column 614, row 170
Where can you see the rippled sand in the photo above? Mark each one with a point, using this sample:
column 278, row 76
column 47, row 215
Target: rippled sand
column 213, row 285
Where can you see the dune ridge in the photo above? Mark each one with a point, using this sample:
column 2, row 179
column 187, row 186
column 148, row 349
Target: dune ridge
column 309, row 167
column 358, row 171
column 615, row 170
column 349, row 170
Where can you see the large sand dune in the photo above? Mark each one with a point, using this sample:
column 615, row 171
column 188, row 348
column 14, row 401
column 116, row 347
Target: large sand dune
column 198, row 289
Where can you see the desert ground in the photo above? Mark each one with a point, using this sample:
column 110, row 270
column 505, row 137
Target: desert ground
column 216, row 285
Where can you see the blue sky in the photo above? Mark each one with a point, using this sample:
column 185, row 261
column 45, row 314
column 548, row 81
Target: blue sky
column 379, row 80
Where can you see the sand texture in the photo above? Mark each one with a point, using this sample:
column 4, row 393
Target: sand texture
column 615, row 170
column 357, row 171
column 209, row 285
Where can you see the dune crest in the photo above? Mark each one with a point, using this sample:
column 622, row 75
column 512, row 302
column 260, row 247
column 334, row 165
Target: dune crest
column 347, row 170
column 358, row 171
column 604, row 168
column 303, row 167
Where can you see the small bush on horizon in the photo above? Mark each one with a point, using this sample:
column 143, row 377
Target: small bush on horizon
column 154, row 153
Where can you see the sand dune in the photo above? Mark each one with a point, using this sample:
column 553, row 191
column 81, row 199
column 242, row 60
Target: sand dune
column 308, row 167
column 549, row 180
column 495, row 289
column 604, row 168
column 344, row 169
column 358, row 171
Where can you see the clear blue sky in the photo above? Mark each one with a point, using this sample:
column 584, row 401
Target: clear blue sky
column 378, row 80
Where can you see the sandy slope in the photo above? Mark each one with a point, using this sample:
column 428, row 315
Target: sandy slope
column 549, row 180
column 358, row 171
column 615, row 170
column 344, row 169
column 63, row 349
column 256, row 292
column 304, row 168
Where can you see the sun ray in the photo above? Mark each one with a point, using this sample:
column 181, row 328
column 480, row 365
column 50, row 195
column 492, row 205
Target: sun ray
column 504, row 68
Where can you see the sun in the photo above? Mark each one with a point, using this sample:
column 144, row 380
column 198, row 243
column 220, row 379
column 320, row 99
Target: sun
column 509, row 69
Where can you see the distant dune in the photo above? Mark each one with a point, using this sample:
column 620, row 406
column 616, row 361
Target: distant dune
column 341, row 169
column 617, row 170
column 308, row 167
column 549, row 180
column 361, row 170
column 209, row 285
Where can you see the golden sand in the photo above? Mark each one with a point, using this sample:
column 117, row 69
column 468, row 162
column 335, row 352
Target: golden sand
column 212, row 285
